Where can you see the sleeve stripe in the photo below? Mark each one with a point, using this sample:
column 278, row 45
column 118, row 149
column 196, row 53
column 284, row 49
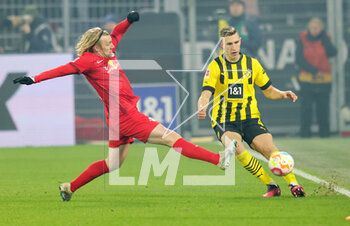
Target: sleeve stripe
column 113, row 36
column 266, row 85
column 211, row 89
column 76, row 68
column 250, row 67
column 222, row 79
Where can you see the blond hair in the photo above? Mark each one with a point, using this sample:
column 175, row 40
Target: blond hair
column 316, row 20
column 89, row 39
column 228, row 31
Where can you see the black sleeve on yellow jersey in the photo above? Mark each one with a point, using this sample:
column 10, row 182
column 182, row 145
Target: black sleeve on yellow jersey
column 266, row 85
column 211, row 89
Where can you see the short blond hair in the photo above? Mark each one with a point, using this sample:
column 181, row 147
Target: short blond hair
column 227, row 31
column 89, row 39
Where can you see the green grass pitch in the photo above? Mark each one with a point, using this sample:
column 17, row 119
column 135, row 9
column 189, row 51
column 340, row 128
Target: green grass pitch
column 30, row 178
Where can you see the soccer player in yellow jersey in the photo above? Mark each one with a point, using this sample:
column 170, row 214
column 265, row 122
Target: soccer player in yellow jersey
column 231, row 78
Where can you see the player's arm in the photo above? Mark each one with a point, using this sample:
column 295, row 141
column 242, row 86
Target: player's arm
column 263, row 81
column 203, row 103
column 275, row 94
column 123, row 26
column 209, row 83
column 63, row 70
column 78, row 66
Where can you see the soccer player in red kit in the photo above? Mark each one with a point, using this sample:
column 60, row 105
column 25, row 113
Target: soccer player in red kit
column 100, row 66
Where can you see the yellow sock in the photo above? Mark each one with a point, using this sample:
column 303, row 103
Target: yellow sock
column 254, row 167
column 290, row 178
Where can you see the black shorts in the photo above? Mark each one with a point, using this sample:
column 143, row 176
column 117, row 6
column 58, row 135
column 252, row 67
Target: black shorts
column 248, row 129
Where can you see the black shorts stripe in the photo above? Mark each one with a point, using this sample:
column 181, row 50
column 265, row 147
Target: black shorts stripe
column 239, row 69
column 238, row 112
column 218, row 118
column 248, row 114
column 228, row 112
column 250, row 67
column 266, row 85
column 249, row 129
column 222, row 78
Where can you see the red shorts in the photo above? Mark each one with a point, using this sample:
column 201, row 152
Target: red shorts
column 133, row 125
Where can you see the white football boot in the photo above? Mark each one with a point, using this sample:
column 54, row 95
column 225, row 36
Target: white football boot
column 226, row 156
column 65, row 192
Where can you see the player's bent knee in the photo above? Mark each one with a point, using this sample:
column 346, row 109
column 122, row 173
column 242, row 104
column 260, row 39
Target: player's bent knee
column 113, row 164
column 170, row 139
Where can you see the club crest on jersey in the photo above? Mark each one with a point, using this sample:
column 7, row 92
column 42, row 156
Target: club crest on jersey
column 113, row 65
column 207, row 74
column 248, row 73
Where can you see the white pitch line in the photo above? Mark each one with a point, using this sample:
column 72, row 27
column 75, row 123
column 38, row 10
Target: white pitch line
column 309, row 177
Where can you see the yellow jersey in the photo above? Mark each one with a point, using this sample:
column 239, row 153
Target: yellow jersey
column 233, row 87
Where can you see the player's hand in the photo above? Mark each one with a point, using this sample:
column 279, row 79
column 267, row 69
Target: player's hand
column 24, row 80
column 289, row 95
column 133, row 17
column 202, row 114
column 202, row 111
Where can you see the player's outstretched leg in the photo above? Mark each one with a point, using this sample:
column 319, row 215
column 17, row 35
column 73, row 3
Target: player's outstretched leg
column 263, row 143
column 160, row 135
column 251, row 164
column 95, row 170
column 255, row 168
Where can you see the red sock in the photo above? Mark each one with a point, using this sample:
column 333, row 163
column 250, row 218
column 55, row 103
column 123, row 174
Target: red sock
column 195, row 152
column 96, row 169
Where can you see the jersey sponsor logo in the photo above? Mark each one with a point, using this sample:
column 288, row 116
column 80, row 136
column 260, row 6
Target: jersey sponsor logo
column 235, row 91
column 99, row 61
column 207, row 74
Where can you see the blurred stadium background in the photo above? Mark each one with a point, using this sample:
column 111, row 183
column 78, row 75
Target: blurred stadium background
column 177, row 35
column 180, row 35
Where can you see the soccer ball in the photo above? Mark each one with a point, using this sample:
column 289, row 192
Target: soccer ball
column 281, row 163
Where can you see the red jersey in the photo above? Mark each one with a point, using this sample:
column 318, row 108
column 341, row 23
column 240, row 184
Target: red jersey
column 105, row 75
